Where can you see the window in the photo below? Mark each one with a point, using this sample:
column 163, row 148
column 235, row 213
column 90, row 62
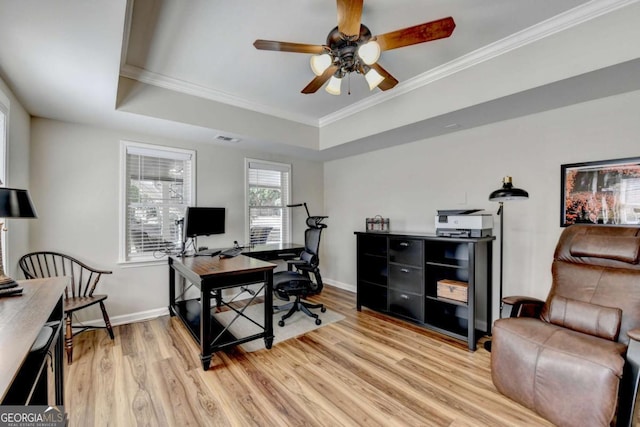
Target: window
column 268, row 193
column 158, row 185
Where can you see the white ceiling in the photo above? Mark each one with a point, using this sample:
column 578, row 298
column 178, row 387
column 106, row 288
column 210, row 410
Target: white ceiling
column 66, row 59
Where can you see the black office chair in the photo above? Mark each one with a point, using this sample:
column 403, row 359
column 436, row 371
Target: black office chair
column 298, row 282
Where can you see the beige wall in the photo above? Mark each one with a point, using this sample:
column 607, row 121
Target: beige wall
column 409, row 183
column 75, row 181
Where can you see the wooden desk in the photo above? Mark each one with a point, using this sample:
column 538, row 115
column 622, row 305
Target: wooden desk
column 211, row 275
column 21, row 319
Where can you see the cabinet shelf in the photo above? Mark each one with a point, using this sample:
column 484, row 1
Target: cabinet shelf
column 411, row 267
column 382, row 256
column 449, row 263
column 448, row 301
column 369, row 282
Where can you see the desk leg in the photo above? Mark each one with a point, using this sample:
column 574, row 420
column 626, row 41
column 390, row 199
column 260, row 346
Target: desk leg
column 268, row 310
column 172, row 288
column 218, row 298
column 205, row 326
column 58, row 368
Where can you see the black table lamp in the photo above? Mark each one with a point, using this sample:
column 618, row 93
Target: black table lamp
column 14, row 203
column 507, row 193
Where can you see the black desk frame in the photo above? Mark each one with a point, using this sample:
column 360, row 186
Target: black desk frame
column 272, row 251
column 196, row 313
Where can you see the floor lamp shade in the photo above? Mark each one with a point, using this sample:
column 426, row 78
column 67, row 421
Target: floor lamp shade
column 14, row 203
column 507, row 193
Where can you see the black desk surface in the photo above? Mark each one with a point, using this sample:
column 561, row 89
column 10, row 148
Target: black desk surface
column 273, row 247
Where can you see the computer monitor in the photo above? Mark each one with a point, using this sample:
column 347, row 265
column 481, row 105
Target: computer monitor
column 199, row 221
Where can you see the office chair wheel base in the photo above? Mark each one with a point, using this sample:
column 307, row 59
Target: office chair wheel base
column 318, row 321
column 323, row 310
column 281, row 323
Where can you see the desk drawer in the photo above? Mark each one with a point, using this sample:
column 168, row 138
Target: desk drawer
column 405, row 278
column 406, row 251
column 406, row 304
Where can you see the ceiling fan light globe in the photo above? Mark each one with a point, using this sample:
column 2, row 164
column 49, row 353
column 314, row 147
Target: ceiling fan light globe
column 319, row 63
column 373, row 78
column 369, row 52
column 334, row 85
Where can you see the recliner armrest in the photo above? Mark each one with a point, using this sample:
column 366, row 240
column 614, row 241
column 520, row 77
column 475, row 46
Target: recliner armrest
column 630, row 381
column 521, row 306
column 634, row 334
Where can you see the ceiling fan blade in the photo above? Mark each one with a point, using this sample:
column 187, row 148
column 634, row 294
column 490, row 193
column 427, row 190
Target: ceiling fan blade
column 317, row 83
column 288, row 47
column 389, row 81
column 421, row 33
column 349, row 15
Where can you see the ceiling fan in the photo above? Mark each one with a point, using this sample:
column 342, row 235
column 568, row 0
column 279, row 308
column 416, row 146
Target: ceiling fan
column 351, row 48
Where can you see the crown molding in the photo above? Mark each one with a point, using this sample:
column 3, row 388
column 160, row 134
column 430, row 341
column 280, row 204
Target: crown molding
column 182, row 86
column 177, row 85
column 556, row 24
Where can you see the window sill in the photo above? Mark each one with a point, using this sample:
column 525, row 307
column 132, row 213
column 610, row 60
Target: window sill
column 143, row 263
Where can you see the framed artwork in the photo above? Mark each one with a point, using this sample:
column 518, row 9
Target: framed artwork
column 602, row 192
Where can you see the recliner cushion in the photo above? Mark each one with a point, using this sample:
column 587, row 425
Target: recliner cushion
column 618, row 248
column 568, row 377
column 592, row 319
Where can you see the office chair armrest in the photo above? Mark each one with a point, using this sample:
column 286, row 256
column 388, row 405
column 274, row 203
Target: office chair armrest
column 295, row 263
column 521, row 306
column 306, row 267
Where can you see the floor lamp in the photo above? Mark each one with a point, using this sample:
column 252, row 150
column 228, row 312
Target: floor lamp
column 507, row 193
column 13, row 204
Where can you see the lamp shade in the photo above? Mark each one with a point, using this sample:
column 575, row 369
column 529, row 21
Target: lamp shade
column 508, row 192
column 373, row 78
column 16, row 203
column 319, row 63
column 369, row 52
column 334, row 85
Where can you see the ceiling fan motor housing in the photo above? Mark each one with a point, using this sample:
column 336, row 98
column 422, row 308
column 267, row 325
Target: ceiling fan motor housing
column 344, row 49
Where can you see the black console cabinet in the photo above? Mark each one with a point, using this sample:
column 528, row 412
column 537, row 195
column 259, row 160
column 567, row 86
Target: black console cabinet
column 398, row 274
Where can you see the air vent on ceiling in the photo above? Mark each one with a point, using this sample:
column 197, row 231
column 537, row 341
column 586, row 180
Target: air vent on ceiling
column 227, row 138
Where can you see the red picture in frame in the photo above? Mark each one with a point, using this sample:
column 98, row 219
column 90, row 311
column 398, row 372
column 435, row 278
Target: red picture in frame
column 601, row 192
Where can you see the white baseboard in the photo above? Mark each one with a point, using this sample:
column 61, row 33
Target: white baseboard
column 341, row 285
column 130, row 318
column 157, row 312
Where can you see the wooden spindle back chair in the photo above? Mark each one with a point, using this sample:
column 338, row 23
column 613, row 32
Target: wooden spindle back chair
column 79, row 293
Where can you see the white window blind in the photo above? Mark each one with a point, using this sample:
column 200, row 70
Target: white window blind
column 159, row 185
column 268, row 193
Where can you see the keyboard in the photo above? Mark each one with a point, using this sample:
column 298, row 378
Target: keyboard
column 230, row 253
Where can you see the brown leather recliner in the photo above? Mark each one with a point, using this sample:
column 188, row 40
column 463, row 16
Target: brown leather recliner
column 574, row 358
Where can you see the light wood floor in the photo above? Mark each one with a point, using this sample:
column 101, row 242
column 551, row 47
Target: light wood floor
column 368, row 369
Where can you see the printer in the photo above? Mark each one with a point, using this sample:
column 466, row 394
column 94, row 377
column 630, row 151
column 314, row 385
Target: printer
column 464, row 223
